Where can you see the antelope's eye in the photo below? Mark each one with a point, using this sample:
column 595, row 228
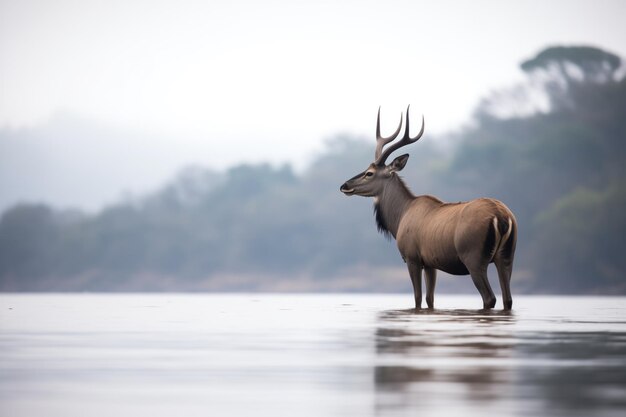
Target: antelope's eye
column 369, row 173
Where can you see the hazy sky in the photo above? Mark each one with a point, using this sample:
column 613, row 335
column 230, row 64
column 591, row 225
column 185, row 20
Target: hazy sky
column 217, row 82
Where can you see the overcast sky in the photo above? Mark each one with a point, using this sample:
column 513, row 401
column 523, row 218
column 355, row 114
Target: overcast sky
column 219, row 82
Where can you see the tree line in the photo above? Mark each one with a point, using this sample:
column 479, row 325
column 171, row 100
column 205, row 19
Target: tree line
column 559, row 166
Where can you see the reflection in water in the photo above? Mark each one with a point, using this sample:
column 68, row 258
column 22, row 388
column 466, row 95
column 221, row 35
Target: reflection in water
column 578, row 372
column 427, row 357
column 159, row 355
column 478, row 361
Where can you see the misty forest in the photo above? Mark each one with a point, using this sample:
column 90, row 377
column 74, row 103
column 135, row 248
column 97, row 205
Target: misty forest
column 551, row 148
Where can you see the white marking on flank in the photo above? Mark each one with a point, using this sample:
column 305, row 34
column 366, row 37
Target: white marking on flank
column 496, row 247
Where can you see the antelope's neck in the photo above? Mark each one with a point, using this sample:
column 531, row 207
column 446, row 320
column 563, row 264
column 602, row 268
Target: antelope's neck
column 390, row 206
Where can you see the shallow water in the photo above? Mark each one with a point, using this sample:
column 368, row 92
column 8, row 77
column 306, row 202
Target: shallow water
column 309, row 355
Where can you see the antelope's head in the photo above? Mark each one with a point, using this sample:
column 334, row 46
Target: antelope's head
column 371, row 182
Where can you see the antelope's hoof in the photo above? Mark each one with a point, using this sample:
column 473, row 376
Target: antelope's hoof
column 489, row 304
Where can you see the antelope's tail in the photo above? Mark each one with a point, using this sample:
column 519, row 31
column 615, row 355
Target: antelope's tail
column 503, row 232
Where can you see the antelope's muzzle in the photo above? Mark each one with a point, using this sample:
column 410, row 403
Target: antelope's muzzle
column 345, row 189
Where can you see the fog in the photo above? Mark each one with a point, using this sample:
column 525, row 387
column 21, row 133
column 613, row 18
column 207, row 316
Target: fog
column 200, row 147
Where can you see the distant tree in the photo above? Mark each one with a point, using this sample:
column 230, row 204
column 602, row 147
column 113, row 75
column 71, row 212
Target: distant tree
column 574, row 64
column 558, row 79
column 562, row 70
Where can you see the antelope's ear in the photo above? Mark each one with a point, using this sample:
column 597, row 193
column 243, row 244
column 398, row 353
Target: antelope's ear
column 398, row 163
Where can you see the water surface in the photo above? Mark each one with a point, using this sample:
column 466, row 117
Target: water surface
column 309, row 355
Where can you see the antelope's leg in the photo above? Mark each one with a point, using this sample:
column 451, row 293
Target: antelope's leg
column 505, row 267
column 415, row 271
column 479, row 276
column 430, row 277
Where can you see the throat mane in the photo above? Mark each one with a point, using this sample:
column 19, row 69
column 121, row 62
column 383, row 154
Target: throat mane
column 390, row 205
column 381, row 225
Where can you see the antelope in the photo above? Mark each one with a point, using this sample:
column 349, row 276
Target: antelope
column 458, row 238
